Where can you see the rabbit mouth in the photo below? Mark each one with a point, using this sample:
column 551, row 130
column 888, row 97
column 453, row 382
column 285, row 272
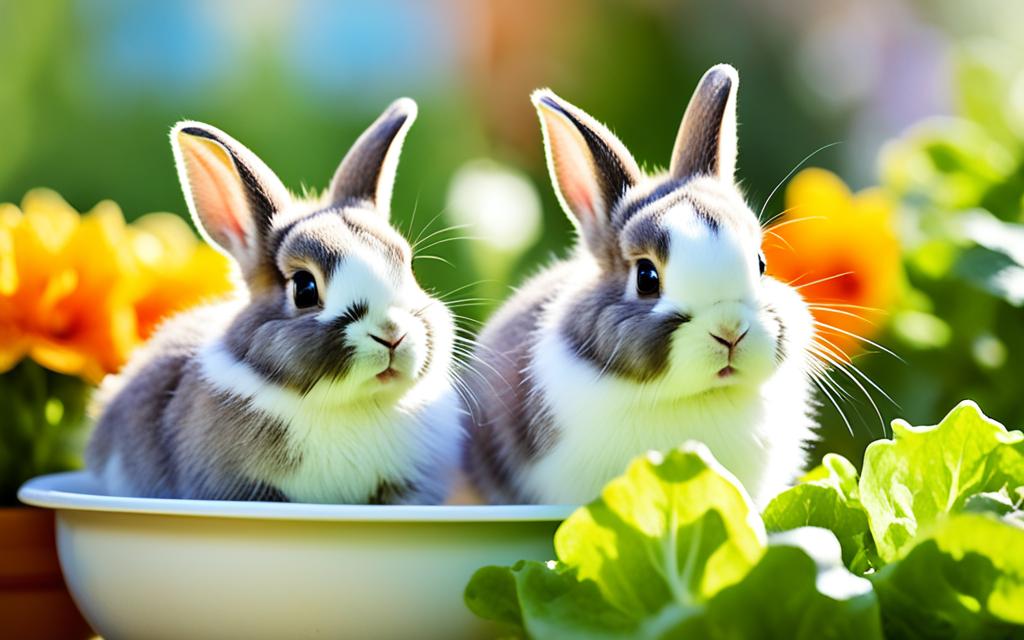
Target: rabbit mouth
column 726, row 372
column 388, row 375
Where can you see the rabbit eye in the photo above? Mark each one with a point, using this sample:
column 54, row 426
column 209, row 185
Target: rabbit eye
column 761, row 264
column 304, row 290
column 647, row 281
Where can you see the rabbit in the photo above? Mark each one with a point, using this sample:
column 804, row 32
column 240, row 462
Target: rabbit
column 325, row 378
column 661, row 327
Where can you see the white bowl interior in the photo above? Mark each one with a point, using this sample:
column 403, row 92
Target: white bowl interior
column 79, row 490
column 193, row 568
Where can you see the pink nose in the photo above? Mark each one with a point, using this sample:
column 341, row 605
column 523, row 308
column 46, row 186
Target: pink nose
column 391, row 344
column 729, row 338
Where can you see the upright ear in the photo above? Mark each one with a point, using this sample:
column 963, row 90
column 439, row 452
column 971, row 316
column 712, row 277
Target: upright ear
column 706, row 144
column 231, row 194
column 590, row 168
column 367, row 173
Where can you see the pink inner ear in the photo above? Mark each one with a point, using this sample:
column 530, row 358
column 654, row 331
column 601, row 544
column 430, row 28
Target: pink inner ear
column 216, row 190
column 574, row 167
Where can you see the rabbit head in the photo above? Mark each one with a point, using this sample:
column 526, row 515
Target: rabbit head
column 331, row 298
column 678, row 299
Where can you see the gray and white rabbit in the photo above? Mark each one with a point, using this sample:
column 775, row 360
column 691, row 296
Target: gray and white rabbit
column 662, row 326
column 325, row 379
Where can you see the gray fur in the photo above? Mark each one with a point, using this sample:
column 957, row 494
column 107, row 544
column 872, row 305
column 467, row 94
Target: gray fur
column 508, row 425
column 293, row 351
column 363, row 176
column 699, row 144
column 175, row 437
column 618, row 335
column 173, row 434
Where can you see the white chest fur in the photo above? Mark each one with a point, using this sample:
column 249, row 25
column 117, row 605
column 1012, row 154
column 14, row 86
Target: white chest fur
column 345, row 452
column 604, row 422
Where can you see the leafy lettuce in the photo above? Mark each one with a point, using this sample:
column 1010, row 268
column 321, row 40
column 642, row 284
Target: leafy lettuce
column 926, row 542
column 674, row 548
column 934, row 522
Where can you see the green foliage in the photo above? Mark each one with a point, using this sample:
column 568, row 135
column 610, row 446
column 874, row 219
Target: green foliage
column 964, row 581
column 43, row 428
column 942, row 506
column 673, row 549
column 959, row 182
column 830, row 499
column 927, row 542
column 925, row 473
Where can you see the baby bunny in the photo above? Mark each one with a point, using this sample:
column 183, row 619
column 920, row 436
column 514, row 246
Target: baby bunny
column 662, row 326
column 325, row 379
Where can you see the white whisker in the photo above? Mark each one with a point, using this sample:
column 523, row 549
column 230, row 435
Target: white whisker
column 792, row 171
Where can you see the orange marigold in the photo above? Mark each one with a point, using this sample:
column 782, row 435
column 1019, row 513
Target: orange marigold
column 79, row 292
column 841, row 251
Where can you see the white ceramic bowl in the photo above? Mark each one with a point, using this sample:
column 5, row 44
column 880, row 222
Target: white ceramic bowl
column 146, row 568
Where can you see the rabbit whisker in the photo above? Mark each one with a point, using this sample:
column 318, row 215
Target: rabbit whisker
column 453, row 227
column 431, row 257
column 830, row 328
column 821, row 280
column 794, row 170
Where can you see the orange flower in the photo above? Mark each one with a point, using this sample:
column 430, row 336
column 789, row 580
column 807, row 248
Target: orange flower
column 178, row 270
column 841, row 251
column 75, row 294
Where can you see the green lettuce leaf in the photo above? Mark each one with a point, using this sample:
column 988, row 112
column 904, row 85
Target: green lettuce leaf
column 546, row 600
column 798, row 591
column 910, row 483
column 966, row 580
column 933, row 531
column 679, row 527
column 672, row 549
column 828, row 498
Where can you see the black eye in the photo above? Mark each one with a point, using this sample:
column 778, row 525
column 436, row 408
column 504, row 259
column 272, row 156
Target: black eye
column 647, row 282
column 761, row 262
column 305, row 292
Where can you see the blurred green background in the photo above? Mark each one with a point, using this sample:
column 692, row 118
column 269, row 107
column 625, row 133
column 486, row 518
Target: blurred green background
column 90, row 89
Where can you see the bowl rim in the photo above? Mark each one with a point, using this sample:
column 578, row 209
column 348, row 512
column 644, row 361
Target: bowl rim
column 58, row 491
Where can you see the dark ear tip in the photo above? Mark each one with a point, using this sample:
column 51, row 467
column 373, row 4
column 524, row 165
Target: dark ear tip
column 404, row 109
column 721, row 76
column 194, row 130
column 546, row 98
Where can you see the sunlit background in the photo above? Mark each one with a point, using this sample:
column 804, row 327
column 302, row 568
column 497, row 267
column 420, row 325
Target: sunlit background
column 933, row 252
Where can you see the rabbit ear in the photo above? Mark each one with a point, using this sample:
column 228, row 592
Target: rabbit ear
column 231, row 194
column 367, row 174
column 589, row 166
column 706, row 144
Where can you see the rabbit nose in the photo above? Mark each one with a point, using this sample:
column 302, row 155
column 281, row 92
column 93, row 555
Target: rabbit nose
column 730, row 337
column 391, row 342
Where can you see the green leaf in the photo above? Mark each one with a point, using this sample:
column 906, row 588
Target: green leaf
column 912, row 482
column 921, row 330
column 798, row 591
column 997, row 502
column 949, row 163
column 829, row 500
column 983, row 74
column 675, row 529
column 993, row 272
column 674, row 549
column 492, row 594
column 545, row 600
column 964, row 581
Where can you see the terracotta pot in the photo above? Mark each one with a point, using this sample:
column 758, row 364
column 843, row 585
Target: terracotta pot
column 34, row 603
